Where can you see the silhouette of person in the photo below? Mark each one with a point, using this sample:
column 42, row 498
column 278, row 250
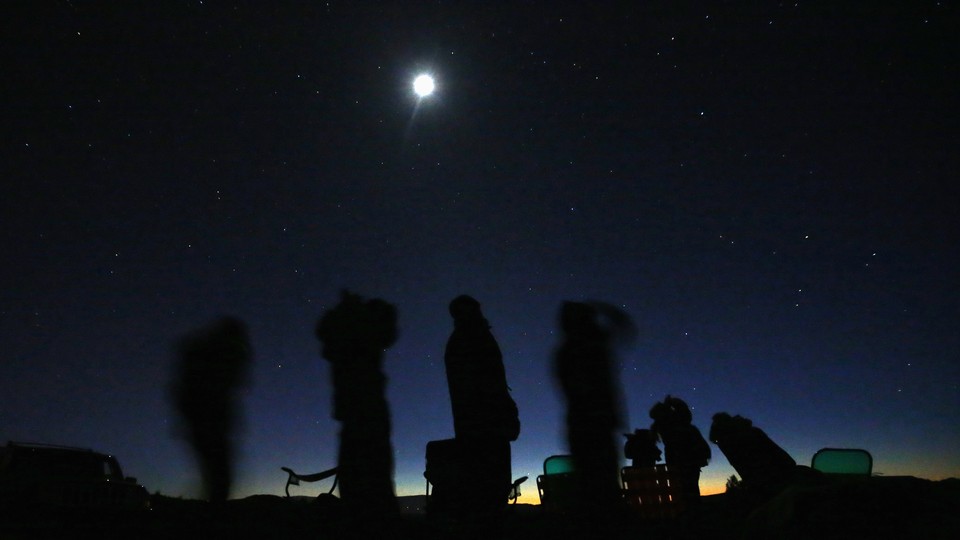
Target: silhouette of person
column 213, row 366
column 485, row 417
column 763, row 466
column 354, row 335
column 584, row 367
column 685, row 449
column 641, row 448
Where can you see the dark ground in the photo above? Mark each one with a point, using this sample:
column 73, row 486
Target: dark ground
column 878, row 507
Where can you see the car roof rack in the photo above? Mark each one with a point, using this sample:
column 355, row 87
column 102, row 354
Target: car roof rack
column 28, row 444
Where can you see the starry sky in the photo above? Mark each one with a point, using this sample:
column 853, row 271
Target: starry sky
column 767, row 188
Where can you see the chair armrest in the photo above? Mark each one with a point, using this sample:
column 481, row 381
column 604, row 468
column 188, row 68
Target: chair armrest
column 294, row 479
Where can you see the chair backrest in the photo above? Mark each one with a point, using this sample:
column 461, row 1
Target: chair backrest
column 558, row 464
column 653, row 492
column 853, row 461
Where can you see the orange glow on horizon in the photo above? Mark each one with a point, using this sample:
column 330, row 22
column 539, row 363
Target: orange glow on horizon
column 530, row 496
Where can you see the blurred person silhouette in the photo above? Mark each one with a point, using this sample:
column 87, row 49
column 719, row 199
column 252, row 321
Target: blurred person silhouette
column 641, row 448
column 485, row 416
column 354, row 334
column 685, row 449
column 584, row 366
column 213, row 367
column 764, row 467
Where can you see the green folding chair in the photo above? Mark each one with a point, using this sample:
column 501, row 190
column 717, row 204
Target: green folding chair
column 557, row 485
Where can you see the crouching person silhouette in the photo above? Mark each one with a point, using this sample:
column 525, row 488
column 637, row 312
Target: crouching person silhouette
column 485, row 417
column 213, row 367
column 764, row 468
column 641, row 448
column 354, row 335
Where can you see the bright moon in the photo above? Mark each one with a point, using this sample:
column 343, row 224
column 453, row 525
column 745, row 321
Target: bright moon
column 423, row 85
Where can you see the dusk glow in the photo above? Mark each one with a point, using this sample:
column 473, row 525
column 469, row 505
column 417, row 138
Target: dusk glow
column 769, row 192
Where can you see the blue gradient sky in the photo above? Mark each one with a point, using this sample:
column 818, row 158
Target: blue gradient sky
column 769, row 192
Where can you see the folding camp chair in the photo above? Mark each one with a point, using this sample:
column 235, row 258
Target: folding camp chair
column 849, row 461
column 557, row 485
column 295, row 479
column 653, row 492
column 514, row 493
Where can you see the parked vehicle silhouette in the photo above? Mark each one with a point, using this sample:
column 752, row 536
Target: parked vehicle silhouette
column 66, row 477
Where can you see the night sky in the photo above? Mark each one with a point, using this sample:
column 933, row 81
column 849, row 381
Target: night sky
column 768, row 188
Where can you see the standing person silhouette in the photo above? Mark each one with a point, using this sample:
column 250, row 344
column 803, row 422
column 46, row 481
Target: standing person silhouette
column 354, row 335
column 485, row 417
column 685, row 449
column 584, row 367
column 213, row 367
